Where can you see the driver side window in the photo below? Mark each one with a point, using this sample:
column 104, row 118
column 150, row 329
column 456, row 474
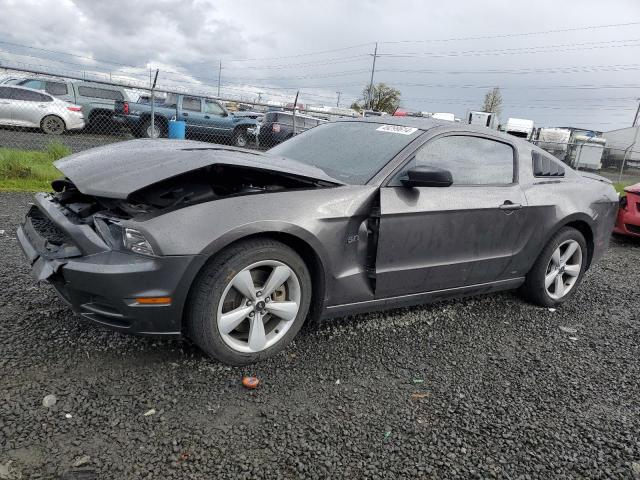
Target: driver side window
column 213, row 108
column 471, row 160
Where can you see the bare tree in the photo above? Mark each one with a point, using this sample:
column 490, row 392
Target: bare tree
column 493, row 101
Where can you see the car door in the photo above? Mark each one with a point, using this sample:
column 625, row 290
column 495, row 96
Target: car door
column 218, row 123
column 436, row 238
column 28, row 107
column 191, row 113
column 5, row 106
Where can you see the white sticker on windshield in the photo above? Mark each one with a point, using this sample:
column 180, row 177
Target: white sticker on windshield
column 397, row 129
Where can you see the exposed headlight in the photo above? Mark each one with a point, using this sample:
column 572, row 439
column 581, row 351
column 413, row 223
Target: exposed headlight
column 135, row 241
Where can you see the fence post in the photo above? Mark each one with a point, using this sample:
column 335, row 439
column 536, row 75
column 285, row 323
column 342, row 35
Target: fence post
column 295, row 104
column 153, row 114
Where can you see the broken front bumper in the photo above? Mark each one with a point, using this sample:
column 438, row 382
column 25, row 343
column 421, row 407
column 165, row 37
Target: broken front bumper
column 102, row 284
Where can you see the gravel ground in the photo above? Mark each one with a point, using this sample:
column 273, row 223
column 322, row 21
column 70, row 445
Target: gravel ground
column 488, row 387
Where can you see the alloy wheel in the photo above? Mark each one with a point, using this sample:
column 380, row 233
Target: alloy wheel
column 53, row 125
column 258, row 306
column 563, row 269
column 153, row 132
column 241, row 140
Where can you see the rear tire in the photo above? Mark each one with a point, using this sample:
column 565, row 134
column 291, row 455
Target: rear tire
column 227, row 324
column 558, row 271
column 52, row 125
column 160, row 129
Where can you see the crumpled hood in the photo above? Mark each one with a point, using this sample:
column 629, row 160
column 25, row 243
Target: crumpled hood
column 120, row 169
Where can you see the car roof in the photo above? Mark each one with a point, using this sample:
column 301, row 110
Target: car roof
column 20, row 87
column 428, row 123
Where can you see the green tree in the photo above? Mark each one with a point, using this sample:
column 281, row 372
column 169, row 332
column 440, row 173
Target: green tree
column 381, row 97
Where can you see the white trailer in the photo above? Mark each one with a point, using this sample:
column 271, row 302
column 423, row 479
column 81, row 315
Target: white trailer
column 553, row 140
column 586, row 152
column 620, row 145
column 450, row 117
column 519, row 127
column 484, row 119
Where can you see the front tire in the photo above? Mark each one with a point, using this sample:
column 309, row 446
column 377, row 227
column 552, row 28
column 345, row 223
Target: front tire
column 241, row 138
column 558, row 271
column 52, row 125
column 249, row 302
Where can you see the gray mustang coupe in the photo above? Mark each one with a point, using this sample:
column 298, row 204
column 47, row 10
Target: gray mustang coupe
column 235, row 248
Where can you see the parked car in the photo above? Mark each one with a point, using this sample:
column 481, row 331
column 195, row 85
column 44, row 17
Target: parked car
column 26, row 107
column 96, row 99
column 276, row 127
column 234, row 248
column 204, row 117
column 628, row 221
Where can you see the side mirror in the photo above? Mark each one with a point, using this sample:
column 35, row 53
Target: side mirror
column 425, row 176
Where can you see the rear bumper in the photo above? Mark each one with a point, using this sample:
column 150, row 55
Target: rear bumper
column 130, row 121
column 103, row 286
column 75, row 123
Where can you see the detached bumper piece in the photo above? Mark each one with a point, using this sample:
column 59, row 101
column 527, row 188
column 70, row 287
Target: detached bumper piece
column 99, row 283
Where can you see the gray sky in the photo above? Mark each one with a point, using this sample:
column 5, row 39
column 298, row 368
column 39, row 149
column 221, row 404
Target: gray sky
column 585, row 78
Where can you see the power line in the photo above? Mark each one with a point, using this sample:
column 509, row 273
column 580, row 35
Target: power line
column 550, row 70
column 506, row 35
column 517, row 50
column 320, row 52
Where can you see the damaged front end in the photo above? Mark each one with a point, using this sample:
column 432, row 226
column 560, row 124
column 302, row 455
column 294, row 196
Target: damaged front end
column 93, row 250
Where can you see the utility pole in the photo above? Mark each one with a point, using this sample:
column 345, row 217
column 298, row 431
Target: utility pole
column 373, row 69
column 219, row 75
column 637, row 117
column 338, row 102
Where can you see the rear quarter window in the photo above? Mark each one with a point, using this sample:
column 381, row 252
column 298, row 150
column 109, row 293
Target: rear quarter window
column 104, row 93
column 56, row 88
column 545, row 165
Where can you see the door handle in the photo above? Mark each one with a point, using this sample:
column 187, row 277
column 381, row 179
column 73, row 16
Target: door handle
column 508, row 205
column 185, row 114
column 207, row 116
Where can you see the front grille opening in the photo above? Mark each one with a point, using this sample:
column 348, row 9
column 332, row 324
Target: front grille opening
column 47, row 229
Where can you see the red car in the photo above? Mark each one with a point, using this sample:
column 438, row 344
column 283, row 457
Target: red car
column 628, row 222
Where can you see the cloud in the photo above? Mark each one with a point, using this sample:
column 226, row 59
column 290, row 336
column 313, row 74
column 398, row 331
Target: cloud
column 187, row 39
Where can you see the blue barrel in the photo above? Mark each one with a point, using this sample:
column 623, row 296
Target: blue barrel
column 177, row 129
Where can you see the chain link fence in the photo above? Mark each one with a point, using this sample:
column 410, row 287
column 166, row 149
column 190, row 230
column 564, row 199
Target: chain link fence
column 618, row 163
column 60, row 115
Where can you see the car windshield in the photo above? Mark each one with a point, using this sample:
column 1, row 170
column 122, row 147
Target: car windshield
column 352, row 152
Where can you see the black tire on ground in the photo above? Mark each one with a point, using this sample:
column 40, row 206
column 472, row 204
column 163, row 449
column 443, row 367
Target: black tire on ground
column 206, row 294
column 145, row 129
column 101, row 124
column 240, row 138
column 534, row 289
column 53, row 125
